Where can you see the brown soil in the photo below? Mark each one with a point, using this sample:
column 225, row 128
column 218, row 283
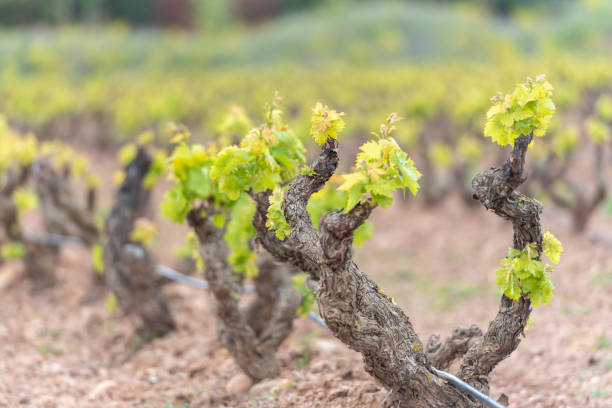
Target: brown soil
column 437, row 263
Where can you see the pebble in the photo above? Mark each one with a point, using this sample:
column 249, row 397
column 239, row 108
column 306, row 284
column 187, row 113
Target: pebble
column 266, row 387
column 238, row 384
column 327, row 346
column 102, row 388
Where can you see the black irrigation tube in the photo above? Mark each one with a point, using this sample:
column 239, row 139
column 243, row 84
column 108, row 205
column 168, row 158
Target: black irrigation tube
column 176, row 276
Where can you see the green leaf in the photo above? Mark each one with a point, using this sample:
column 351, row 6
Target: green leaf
column 111, row 304
column 198, row 183
column 552, row 247
column 353, row 198
column 307, row 171
column 520, row 273
column 238, row 236
column 597, row 130
column 352, row 181
column 25, row 200
column 276, row 220
column 219, row 220
column 97, row 256
column 127, row 153
column 528, row 109
column 174, row 205
column 11, row 251
column 144, row 232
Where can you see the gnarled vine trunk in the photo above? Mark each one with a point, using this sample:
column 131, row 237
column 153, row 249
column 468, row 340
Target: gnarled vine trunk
column 61, row 213
column 40, row 257
column 252, row 335
column 129, row 266
column 368, row 321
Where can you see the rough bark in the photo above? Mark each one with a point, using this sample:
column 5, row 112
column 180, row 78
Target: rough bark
column 352, row 305
column 455, row 346
column 40, row 258
column 496, row 190
column 282, row 251
column 272, row 276
column 252, row 346
column 129, row 267
column 61, row 213
column 358, row 312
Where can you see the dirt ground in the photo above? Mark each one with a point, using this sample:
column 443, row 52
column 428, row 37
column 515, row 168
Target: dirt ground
column 439, row 263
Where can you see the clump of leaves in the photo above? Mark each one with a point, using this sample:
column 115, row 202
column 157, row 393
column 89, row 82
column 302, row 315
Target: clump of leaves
column 326, row 123
column 97, row 256
column 597, row 130
column 238, row 234
column 111, row 304
column 25, row 200
column 11, row 251
column 528, row 109
column 144, row 232
column 381, row 167
column 276, row 218
column 267, row 157
column 522, row 273
column 565, row 141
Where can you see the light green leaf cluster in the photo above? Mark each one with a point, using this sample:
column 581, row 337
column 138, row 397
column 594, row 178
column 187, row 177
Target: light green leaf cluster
column 265, row 158
column 97, row 257
column 326, row 123
column 276, row 220
column 235, row 124
column 127, row 153
column 144, row 232
column 565, row 141
column 156, row 169
column 111, row 304
column 25, row 200
column 441, row 155
column 521, row 273
column 189, row 167
column 528, row 109
column 64, row 157
column 17, row 149
column 11, row 251
column 603, row 108
column 552, row 247
column 597, row 130
column 469, row 148
column 381, row 167
column 82, row 170
column 238, row 235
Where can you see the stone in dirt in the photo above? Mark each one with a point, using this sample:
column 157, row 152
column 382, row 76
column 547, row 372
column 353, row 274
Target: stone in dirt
column 238, row 384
